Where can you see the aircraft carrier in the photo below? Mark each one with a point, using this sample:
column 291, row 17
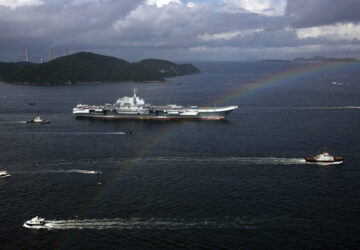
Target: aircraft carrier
column 134, row 107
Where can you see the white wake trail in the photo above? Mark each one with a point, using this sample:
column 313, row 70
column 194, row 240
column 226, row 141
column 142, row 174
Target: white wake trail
column 331, row 108
column 12, row 122
column 300, row 108
column 71, row 171
column 79, row 133
column 148, row 224
column 231, row 159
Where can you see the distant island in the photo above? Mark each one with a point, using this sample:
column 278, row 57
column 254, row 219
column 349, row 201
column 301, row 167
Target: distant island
column 315, row 59
column 86, row 67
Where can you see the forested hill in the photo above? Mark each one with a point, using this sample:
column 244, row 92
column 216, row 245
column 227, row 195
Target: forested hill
column 166, row 68
column 85, row 67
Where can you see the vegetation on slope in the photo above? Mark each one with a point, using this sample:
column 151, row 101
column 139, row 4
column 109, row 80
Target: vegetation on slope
column 11, row 68
column 89, row 67
column 166, row 68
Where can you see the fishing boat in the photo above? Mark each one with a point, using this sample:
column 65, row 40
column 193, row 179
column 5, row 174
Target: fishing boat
column 325, row 157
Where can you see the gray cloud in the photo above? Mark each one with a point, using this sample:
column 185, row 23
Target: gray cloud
column 133, row 30
column 307, row 13
column 62, row 23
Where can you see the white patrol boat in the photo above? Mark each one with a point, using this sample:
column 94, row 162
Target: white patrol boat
column 37, row 119
column 4, row 174
column 325, row 157
column 35, row 222
column 135, row 107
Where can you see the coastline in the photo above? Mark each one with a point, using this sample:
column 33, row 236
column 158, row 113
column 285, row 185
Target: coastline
column 81, row 83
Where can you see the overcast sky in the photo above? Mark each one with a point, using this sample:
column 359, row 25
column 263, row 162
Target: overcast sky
column 180, row 30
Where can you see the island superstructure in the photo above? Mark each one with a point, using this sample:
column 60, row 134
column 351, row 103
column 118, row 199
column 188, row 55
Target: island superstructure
column 134, row 107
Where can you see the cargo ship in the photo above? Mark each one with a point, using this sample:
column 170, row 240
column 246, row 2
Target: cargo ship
column 134, row 107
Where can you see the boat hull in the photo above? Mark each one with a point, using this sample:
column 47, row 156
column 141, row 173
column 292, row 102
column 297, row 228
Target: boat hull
column 37, row 226
column 137, row 117
column 42, row 122
column 336, row 159
column 111, row 115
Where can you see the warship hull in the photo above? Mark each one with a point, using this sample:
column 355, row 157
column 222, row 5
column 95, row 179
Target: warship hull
column 135, row 108
column 113, row 115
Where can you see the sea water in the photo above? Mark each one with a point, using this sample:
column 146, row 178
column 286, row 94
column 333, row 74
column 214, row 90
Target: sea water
column 241, row 183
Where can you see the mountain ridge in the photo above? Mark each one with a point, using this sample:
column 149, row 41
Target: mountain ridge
column 87, row 67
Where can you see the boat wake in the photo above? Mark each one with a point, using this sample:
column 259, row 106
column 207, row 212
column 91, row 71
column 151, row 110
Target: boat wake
column 12, row 122
column 238, row 160
column 243, row 160
column 92, row 133
column 72, row 171
column 300, row 108
column 79, row 133
column 147, row 224
column 330, row 108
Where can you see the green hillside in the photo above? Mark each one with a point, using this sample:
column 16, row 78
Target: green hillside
column 166, row 68
column 89, row 67
column 10, row 68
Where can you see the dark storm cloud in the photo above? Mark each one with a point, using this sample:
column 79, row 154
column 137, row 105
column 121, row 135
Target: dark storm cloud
column 60, row 23
column 181, row 27
column 132, row 29
column 307, row 13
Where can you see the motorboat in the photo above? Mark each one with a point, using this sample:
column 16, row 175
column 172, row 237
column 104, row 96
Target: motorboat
column 35, row 222
column 4, row 174
column 37, row 119
column 325, row 157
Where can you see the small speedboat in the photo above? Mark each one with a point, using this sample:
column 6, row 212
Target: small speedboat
column 4, row 174
column 35, row 222
column 325, row 157
column 98, row 172
column 37, row 119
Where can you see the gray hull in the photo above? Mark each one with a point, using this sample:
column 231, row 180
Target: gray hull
column 113, row 116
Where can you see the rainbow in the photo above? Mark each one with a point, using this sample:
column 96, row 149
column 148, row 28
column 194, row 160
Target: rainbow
column 284, row 77
column 281, row 77
column 128, row 163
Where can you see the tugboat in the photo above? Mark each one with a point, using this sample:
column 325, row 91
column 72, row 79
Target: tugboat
column 4, row 174
column 325, row 157
column 37, row 119
column 35, row 222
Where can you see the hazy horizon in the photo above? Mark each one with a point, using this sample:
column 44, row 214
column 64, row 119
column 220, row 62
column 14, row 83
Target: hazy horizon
column 179, row 61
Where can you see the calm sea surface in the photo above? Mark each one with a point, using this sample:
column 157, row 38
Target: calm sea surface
column 235, row 184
